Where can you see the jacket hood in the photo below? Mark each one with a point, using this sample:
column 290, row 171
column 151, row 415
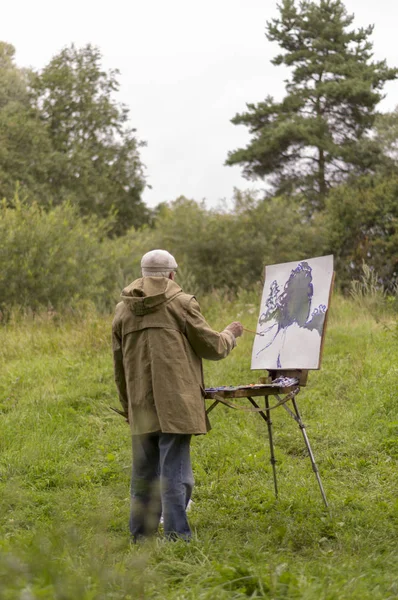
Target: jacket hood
column 147, row 294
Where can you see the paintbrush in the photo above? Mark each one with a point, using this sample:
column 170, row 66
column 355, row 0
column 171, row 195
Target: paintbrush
column 119, row 412
column 252, row 331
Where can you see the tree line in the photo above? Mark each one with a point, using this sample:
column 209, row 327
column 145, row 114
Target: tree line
column 73, row 224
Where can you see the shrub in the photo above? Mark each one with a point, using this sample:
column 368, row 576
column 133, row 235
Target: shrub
column 54, row 258
column 228, row 249
column 363, row 227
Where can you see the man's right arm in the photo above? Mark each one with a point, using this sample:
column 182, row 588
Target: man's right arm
column 206, row 342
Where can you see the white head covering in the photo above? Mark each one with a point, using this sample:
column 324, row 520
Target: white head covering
column 158, row 260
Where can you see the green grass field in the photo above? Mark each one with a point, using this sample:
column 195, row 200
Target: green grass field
column 65, row 468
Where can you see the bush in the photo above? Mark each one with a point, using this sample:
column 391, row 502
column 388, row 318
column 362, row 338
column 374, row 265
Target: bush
column 228, row 249
column 54, row 258
column 363, row 227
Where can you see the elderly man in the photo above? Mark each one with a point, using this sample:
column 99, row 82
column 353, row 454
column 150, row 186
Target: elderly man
column 159, row 340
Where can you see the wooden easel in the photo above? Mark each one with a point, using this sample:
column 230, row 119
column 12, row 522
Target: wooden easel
column 284, row 386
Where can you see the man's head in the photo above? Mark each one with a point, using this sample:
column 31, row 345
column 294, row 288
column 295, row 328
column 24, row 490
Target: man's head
column 158, row 263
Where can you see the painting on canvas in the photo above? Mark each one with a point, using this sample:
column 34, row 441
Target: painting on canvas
column 293, row 308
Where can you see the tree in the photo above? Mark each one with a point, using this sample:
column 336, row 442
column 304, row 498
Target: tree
column 24, row 144
column 95, row 159
column 363, row 228
column 316, row 137
column 386, row 134
column 12, row 80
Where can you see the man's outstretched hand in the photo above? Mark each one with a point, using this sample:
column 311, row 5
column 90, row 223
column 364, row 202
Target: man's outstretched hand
column 236, row 328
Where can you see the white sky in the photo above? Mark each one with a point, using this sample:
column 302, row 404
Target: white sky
column 186, row 69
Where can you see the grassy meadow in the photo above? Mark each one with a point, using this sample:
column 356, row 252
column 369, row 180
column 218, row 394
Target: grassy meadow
column 65, row 467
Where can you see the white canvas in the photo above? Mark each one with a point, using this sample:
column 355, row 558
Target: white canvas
column 292, row 314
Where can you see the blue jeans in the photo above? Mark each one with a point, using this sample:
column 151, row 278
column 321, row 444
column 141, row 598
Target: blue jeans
column 162, row 481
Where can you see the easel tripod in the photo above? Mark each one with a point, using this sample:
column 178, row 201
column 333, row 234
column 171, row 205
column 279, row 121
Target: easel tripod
column 284, row 385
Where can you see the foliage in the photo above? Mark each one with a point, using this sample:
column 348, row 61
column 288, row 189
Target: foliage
column 65, row 463
column 228, row 249
column 12, row 81
column 96, row 160
column 64, row 137
column 25, row 148
column 386, row 134
column 54, row 258
column 316, row 136
column 363, row 227
column 368, row 291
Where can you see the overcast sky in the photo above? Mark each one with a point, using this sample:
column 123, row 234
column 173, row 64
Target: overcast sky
column 186, row 69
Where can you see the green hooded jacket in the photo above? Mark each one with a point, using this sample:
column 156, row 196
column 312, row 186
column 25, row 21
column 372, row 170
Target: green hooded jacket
column 159, row 339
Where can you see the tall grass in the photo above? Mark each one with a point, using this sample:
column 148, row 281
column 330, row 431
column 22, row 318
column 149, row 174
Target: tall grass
column 65, row 467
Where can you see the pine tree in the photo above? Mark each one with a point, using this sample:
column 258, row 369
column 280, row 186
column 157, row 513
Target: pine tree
column 317, row 136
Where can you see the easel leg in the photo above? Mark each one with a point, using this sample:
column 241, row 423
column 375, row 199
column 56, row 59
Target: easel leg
column 271, row 444
column 212, row 406
column 307, row 443
column 266, row 416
